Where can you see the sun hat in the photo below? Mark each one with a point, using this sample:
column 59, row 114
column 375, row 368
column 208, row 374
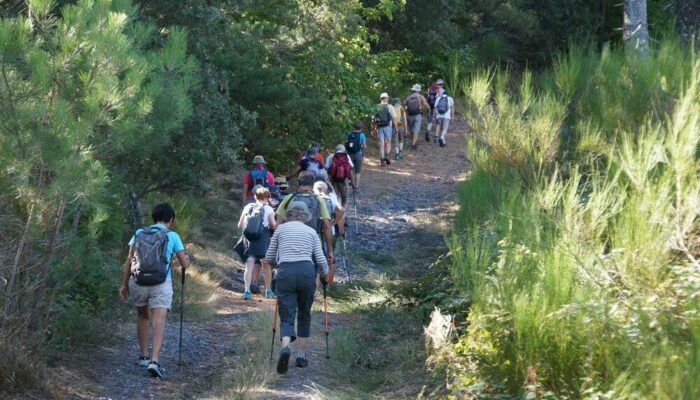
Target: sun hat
column 384, row 95
column 440, row 82
column 416, row 88
column 259, row 160
column 299, row 208
column 340, row 149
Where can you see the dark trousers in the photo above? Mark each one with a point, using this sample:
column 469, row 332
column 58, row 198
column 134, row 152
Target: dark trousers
column 296, row 284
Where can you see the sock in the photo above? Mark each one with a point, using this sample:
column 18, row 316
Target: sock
column 401, row 146
column 301, row 354
column 430, row 125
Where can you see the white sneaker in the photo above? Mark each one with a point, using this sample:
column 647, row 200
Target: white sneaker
column 156, row 370
column 144, row 361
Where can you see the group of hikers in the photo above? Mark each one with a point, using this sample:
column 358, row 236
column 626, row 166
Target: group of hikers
column 294, row 232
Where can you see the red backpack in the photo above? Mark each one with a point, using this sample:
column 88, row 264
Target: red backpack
column 340, row 167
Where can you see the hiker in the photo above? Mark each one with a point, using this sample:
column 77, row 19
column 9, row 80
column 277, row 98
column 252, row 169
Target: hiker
column 321, row 221
column 309, row 163
column 433, row 93
column 383, row 124
column 414, row 105
column 339, row 166
column 259, row 175
column 444, row 113
column 147, row 280
column 296, row 251
column 262, row 216
column 334, row 206
column 355, row 146
column 400, row 130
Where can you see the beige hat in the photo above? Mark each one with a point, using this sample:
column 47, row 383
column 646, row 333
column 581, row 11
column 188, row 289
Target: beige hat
column 300, row 208
column 340, row 149
column 384, row 95
column 416, row 88
column 259, row 160
column 440, row 82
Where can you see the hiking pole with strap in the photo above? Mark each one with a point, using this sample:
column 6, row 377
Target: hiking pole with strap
column 274, row 330
column 182, row 317
column 345, row 259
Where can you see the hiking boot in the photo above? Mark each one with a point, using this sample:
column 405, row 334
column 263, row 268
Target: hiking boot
column 388, row 162
column 442, row 142
column 269, row 294
column 144, row 361
column 401, row 155
column 283, row 360
column 414, row 147
column 156, row 370
column 302, row 362
column 247, row 295
column 427, row 136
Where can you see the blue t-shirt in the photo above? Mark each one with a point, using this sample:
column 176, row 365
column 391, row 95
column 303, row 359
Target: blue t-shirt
column 174, row 245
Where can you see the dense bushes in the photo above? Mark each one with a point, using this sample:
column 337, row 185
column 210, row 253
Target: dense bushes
column 581, row 254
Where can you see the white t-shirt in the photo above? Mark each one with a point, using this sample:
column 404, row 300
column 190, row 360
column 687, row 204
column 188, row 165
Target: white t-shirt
column 266, row 217
column 329, row 161
column 450, row 106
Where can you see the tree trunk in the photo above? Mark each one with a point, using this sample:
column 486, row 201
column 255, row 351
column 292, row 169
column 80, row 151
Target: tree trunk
column 15, row 265
column 40, row 294
column 688, row 20
column 635, row 31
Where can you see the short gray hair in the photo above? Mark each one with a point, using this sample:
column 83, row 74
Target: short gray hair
column 321, row 186
column 297, row 211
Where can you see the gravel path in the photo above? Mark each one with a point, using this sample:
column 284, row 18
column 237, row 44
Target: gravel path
column 393, row 201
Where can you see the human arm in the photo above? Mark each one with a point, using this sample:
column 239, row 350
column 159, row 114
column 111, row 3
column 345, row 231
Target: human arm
column 241, row 220
column 126, row 273
column 183, row 259
column 244, row 194
column 424, row 102
column 452, row 109
column 318, row 257
column 282, row 209
column 339, row 218
column 271, row 222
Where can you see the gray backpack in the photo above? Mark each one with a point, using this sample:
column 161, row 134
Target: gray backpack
column 149, row 266
column 312, row 202
column 254, row 225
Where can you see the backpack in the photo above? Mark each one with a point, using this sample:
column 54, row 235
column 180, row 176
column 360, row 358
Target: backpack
column 259, row 177
column 413, row 105
column 353, row 144
column 312, row 202
column 443, row 105
column 340, row 167
column 254, row 225
column 383, row 116
column 314, row 166
column 432, row 96
column 149, row 266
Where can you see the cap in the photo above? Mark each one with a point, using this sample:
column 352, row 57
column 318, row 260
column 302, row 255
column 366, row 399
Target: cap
column 384, row 95
column 340, row 149
column 259, row 160
column 416, row 88
column 440, row 82
column 300, row 208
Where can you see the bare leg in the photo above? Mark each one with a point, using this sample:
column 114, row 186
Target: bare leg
column 142, row 329
column 301, row 344
column 248, row 274
column 158, row 322
column 256, row 274
column 267, row 274
column 286, row 341
column 357, row 180
column 381, row 149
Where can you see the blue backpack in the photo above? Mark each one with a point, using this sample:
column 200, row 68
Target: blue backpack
column 259, row 177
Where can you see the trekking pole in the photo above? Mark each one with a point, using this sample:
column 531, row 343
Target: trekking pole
column 182, row 317
column 345, row 259
column 274, row 330
column 325, row 315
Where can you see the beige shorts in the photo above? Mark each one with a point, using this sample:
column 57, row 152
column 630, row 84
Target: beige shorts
column 158, row 296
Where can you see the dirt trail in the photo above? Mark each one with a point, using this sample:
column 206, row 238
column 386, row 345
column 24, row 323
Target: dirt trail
column 391, row 203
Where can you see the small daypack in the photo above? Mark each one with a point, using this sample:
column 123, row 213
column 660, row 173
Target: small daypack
column 443, row 105
column 340, row 167
column 259, row 177
column 353, row 144
column 383, row 116
column 314, row 166
column 254, row 224
column 432, row 96
column 150, row 266
column 413, row 105
column 312, row 203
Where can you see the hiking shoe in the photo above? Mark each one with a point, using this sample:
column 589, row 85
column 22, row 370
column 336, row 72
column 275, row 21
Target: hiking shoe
column 401, row 155
column 247, row 295
column 144, row 361
column 442, row 142
column 414, row 147
column 283, row 360
column 302, row 362
column 427, row 136
column 435, row 140
column 388, row 161
column 156, row 370
column 269, row 294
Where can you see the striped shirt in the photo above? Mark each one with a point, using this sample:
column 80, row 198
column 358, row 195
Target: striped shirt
column 293, row 241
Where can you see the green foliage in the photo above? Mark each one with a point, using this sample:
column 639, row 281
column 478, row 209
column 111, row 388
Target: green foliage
column 580, row 258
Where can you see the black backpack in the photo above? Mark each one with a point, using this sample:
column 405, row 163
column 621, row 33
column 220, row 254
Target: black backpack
column 432, row 95
column 312, row 203
column 443, row 105
column 353, row 144
column 413, row 105
column 383, row 116
column 254, row 225
column 150, row 266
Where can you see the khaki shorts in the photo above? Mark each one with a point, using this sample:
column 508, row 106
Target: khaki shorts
column 158, row 296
